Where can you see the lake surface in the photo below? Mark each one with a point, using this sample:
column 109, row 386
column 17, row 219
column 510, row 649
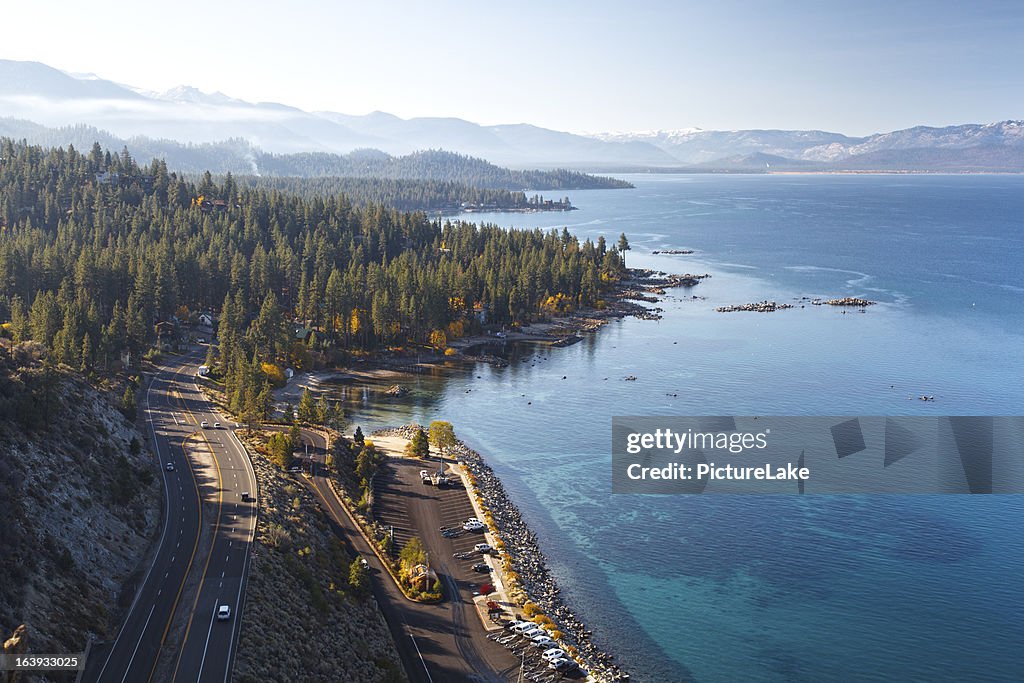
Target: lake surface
column 773, row 588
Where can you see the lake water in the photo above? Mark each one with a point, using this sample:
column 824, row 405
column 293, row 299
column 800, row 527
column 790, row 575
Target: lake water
column 773, row 588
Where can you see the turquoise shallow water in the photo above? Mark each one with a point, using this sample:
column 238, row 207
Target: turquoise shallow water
column 758, row 588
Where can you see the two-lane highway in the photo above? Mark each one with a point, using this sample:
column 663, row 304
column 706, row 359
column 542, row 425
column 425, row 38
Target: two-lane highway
column 170, row 631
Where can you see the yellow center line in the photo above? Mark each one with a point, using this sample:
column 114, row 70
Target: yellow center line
column 213, row 541
column 192, row 557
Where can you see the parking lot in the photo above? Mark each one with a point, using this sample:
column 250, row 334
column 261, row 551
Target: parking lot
column 436, row 514
column 412, row 508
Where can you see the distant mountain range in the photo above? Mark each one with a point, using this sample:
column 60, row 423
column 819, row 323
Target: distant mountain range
column 55, row 99
column 240, row 157
column 971, row 147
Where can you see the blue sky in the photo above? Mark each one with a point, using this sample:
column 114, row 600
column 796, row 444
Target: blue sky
column 851, row 67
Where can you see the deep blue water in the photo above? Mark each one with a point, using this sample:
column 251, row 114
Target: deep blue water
column 760, row 588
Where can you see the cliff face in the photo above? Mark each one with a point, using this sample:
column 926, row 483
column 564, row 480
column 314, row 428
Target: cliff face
column 80, row 503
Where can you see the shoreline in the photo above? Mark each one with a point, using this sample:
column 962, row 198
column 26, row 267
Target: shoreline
column 527, row 570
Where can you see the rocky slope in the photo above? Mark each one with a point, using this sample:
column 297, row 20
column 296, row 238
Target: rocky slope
column 79, row 504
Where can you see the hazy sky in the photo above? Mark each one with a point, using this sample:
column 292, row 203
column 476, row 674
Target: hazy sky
column 856, row 67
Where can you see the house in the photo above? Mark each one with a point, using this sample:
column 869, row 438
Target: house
column 206, row 319
column 303, row 334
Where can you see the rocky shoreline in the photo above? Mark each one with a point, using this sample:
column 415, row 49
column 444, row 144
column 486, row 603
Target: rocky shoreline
column 527, row 560
column 767, row 306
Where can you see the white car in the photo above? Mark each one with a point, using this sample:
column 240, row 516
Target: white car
column 216, row 425
column 223, row 613
column 544, row 639
column 474, row 526
column 204, row 424
column 553, row 654
column 563, row 664
column 532, row 633
column 170, row 467
column 482, row 548
column 521, row 626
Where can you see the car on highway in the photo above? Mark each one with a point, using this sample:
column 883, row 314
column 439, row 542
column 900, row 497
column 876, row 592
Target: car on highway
column 481, row 567
column 169, row 467
column 223, row 613
column 246, row 498
column 216, row 425
column 204, row 424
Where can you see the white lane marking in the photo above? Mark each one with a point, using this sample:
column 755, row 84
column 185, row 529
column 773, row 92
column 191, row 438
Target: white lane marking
column 136, row 650
column 425, row 670
column 208, row 632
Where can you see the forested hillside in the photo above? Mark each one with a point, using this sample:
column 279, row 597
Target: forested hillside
column 95, row 250
column 238, row 156
column 434, row 196
column 433, row 165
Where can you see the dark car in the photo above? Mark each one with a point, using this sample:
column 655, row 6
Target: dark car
column 481, row 567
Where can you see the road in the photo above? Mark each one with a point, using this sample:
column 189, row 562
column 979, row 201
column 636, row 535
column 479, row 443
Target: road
column 444, row 642
column 170, row 631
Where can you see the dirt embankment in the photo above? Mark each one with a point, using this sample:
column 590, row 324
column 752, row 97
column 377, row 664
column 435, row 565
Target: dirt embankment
column 302, row 620
column 80, row 505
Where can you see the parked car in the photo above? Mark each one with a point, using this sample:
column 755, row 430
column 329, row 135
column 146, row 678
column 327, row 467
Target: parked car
column 553, row 654
column 543, row 642
column 481, row 567
column 563, row 664
column 474, row 526
column 482, row 548
column 223, row 613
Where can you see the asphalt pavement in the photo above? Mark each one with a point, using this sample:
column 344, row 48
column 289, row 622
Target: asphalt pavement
column 170, row 631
